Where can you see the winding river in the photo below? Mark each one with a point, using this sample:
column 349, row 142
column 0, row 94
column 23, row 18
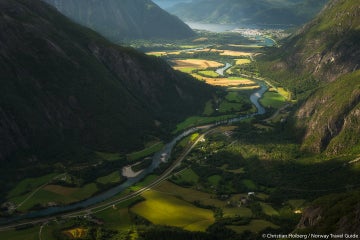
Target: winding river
column 157, row 159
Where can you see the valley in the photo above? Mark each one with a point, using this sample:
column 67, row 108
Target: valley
column 222, row 135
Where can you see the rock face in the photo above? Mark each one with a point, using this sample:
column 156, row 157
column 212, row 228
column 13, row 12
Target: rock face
column 65, row 88
column 323, row 60
column 125, row 19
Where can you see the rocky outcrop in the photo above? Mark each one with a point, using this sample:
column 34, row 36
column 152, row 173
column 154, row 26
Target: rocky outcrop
column 310, row 217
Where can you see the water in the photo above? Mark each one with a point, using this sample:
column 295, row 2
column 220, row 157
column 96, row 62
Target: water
column 221, row 71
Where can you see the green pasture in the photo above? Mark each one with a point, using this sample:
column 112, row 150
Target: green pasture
column 113, row 177
column 243, row 212
column 208, row 73
column 189, row 194
column 109, row 156
column 272, row 99
column 255, row 226
column 185, row 176
column 163, row 209
column 145, row 152
column 268, row 210
column 28, row 185
column 197, row 120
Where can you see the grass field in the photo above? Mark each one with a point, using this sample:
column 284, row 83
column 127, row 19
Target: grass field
column 28, row 185
column 197, row 120
column 249, row 184
column 234, row 53
column 208, row 110
column 114, row 177
column 208, row 73
column 76, row 233
column 187, row 69
column 160, row 208
column 145, row 152
column 269, row 210
column 149, row 179
column 254, row 226
column 272, row 99
column 186, row 176
column 26, row 234
column 188, row 194
column 109, row 156
column 214, row 179
column 243, row 212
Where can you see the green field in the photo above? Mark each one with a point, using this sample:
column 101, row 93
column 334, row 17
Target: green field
column 272, row 99
column 160, row 208
column 189, row 194
column 145, row 152
column 197, row 120
column 243, row 212
column 251, row 186
column 114, row 177
column 187, row 69
column 269, row 210
column 28, row 185
column 208, row 73
column 214, row 180
column 186, row 176
column 209, row 109
column 109, row 156
column 27, row 234
column 254, row 226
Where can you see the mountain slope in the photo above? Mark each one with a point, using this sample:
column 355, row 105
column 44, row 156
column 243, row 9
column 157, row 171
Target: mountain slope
column 125, row 19
column 65, row 88
column 261, row 12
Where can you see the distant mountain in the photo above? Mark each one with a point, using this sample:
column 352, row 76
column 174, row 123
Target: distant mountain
column 323, row 59
column 260, row 12
column 65, row 88
column 125, row 19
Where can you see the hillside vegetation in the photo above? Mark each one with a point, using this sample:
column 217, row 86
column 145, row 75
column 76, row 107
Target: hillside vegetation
column 65, row 90
column 260, row 12
column 125, row 19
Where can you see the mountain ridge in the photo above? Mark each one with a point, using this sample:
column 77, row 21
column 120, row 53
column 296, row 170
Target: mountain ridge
column 126, row 19
column 66, row 88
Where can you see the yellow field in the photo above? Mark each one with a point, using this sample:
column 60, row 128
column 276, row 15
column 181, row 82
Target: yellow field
column 163, row 209
column 76, row 233
column 189, row 194
column 227, row 82
column 244, row 46
column 195, row 63
column 159, row 54
column 234, row 53
column 242, row 61
column 254, row 226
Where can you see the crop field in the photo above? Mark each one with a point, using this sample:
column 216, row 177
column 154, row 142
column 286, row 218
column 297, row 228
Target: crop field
column 226, row 82
column 254, row 226
column 109, row 156
column 195, row 63
column 163, row 209
column 234, row 53
column 242, row 61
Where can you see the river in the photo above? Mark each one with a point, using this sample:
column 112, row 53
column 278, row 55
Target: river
column 157, row 159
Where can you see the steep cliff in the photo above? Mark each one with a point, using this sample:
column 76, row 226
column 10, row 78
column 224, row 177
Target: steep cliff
column 125, row 19
column 65, row 88
column 320, row 65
